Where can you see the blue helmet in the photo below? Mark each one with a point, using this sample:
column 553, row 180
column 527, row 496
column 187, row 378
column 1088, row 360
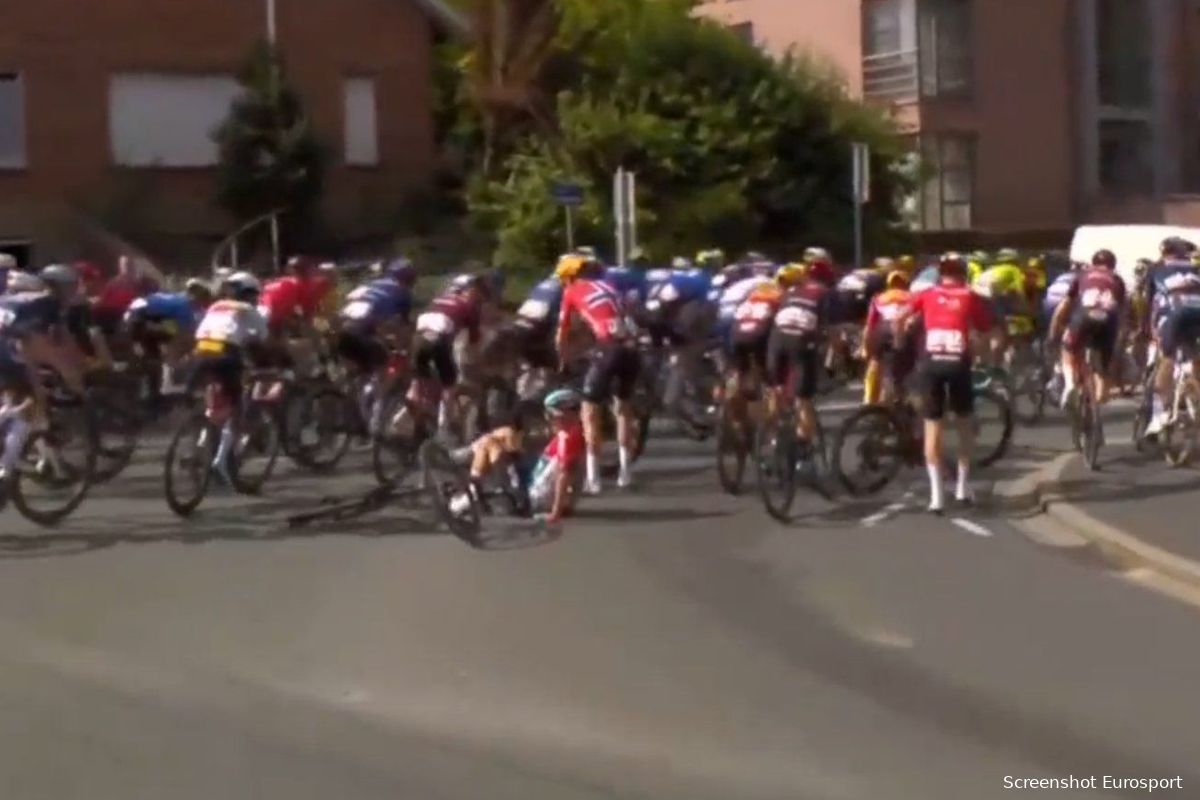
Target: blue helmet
column 561, row 401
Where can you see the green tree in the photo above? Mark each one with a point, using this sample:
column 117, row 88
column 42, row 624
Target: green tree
column 730, row 146
column 270, row 156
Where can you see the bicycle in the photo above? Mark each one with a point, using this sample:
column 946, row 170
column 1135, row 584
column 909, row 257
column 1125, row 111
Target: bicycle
column 1025, row 364
column 187, row 471
column 891, row 436
column 780, row 457
column 1087, row 429
column 1181, row 433
column 48, row 464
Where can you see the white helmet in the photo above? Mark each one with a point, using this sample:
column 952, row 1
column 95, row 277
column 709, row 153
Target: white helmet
column 7, row 261
column 243, row 283
column 21, row 281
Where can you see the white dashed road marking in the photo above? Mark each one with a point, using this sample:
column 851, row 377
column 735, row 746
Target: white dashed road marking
column 973, row 528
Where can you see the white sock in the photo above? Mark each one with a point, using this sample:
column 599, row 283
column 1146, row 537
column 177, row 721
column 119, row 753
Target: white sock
column 592, row 472
column 937, row 496
column 964, row 487
column 1068, row 383
column 14, row 442
column 224, row 445
column 443, row 413
column 625, row 458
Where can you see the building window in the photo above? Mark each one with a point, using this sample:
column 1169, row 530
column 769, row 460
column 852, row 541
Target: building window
column 362, row 132
column 947, row 196
column 744, row 31
column 1126, row 165
column 12, row 122
column 1124, row 52
column 944, row 36
column 159, row 120
column 881, row 27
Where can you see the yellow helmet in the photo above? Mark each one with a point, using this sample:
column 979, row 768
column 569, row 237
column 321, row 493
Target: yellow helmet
column 790, row 274
column 1036, row 263
column 569, row 267
column 906, row 263
column 896, row 279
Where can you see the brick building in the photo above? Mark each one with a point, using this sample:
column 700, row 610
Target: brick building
column 106, row 108
column 1033, row 115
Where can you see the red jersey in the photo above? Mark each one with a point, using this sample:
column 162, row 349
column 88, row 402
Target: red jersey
column 752, row 318
column 447, row 316
column 950, row 311
column 598, row 303
column 566, row 447
column 886, row 308
column 118, row 295
column 1099, row 291
column 280, row 301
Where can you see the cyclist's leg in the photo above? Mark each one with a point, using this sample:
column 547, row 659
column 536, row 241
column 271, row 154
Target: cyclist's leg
column 935, row 386
column 806, row 389
column 596, row 388
column 962, row 404
column 626, row 367
column 1104, row 340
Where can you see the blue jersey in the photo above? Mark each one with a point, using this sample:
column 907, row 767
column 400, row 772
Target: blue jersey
column 25, row 314
column 1057, row 292
column 379, row 301
column 1167, row 278
column 681, row 286
column 926, row 279
column 165, row 306
column 543, row 303
column 630, row 283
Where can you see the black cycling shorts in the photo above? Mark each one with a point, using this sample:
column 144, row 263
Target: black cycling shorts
column 435, row 358
column 903, row 347
column 1100, row 334
column 362, row 349
column 612, row 372
column 851, row 307
column 1179, row 329
column 795, row 357
column 748, row 352
column 535, row 344
column 224, row 368
column 947, row 382
column 682, row 323
column 151, row 333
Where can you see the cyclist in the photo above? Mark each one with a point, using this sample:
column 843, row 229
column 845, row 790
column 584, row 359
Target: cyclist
column 805, row 310
column 908, row 265
column 458, row 309
column 711, row 261
column 1094, row 306
column 553, row 475
column 977, row 262
column 531, row 333
column 292, row 305
column 1173, row 289
column 749, row 334
column 117, row 294
column 631, row 282
column 853, row 296
column 231, row 333
column 1004, row 284
column 167, row 320
column 373, row 322
column 881, row 337
column 614, row 365
column 927, row 278
column 677, row 313
column 950, row 310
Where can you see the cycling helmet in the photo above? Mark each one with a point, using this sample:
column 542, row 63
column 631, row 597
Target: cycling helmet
column 20, row 281
column 710, row 259
column 790, row 274
column 681, row 263
column 302, row 265
column 1105, row 258
column 906, row 263
column 60, row 276
column 952, row 265
column 897, row 279
column 1176, row 247
column 562, row 401
column 1007, row 255
column 195, row 286
column 402, row 271
column 242, row 286
column 1142, row 266
column 569, row 268
column 1036, row 263
column 586, row 251
column 7, row 261
column 821, row 271
column 883, row 264
column 813, row 255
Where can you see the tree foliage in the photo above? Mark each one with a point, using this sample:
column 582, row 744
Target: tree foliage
column 270, row 156
column 730, row 146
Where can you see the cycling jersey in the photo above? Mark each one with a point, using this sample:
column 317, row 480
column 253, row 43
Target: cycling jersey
column 753, row 317
column 863, row 282
column 950, row 312
column 287, row 298
column 28, row 314
column 1002, row 280
column 164, row 307
column 926, row 279
column 1171, row 278
column 447, row 316
column 1057, row 292
column 376, row 303
column 600, row 307
column 1099, row 292
column 563, row 453
column 229, row 323
column 886, row 308
column 542, row 306
column 804, row 309
column 118, row 294
column 629, row 282
column 678, row 287
column 735, row 295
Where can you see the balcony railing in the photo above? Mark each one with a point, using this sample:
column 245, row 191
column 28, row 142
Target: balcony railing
column 891, row 77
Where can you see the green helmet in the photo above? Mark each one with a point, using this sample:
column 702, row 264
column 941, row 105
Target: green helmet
column 1008, row 255
column 980, row 256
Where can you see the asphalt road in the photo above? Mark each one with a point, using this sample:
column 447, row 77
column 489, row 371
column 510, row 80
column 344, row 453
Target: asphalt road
column 674, row 643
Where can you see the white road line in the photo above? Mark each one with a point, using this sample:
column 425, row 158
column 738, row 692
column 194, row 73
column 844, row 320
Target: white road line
column 973, row 528
column 888, row 511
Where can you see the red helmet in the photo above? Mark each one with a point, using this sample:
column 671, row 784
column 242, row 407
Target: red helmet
column 1105, row 258
column 302, row 265
column 952, row 265
column 821, row 271
column 88, row 272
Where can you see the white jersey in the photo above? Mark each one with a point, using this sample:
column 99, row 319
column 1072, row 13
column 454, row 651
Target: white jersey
column 233, row 323
column 736, row 294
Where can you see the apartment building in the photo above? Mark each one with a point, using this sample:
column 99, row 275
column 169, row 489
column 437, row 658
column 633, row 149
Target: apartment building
column 1032, row 116
column 109, row 107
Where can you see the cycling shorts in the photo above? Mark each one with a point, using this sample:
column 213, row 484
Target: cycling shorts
column 682, row 323
column 850, row 307
column 612, row 372
column 225, row 368
column 947, row 383
column 795, row 357
column 361, row 348
column 903, row 348
column 435, row 358
column 1085, row 331
column 748, row 352
column 534, row 344
column 1179, row 328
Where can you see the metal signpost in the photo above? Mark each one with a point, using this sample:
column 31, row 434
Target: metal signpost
column 625, row 213
column 569, row 196
column 861, row 191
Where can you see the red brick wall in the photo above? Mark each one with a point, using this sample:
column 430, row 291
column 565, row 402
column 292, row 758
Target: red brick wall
column 66, row 49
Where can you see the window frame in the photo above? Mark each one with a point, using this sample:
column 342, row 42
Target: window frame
column 933, row 190
column 21, row 161
column 932, row 59
column 121, row 158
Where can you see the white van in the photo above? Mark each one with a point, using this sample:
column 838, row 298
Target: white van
column 1129, row 242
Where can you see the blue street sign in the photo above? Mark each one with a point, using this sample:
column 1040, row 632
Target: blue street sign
column 567, row 194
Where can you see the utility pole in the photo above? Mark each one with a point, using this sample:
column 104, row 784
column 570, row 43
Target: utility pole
column 271, row 27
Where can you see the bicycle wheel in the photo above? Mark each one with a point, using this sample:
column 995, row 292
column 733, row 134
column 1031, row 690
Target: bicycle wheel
column 775, row 452
column 733, row 446
column 188, row 466
column 54, row 472
column 319, row 429
column 118, row 430
column 868, row 450
column 450, row 492
column 993, row 422
column 1091, row 435
column 255, row 448
column 394, row 447
column 1180, row 437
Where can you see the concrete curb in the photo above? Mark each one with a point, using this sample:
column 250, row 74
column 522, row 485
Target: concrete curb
column 1123, row 549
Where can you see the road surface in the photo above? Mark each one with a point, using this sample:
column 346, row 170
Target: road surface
column 675, row 643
